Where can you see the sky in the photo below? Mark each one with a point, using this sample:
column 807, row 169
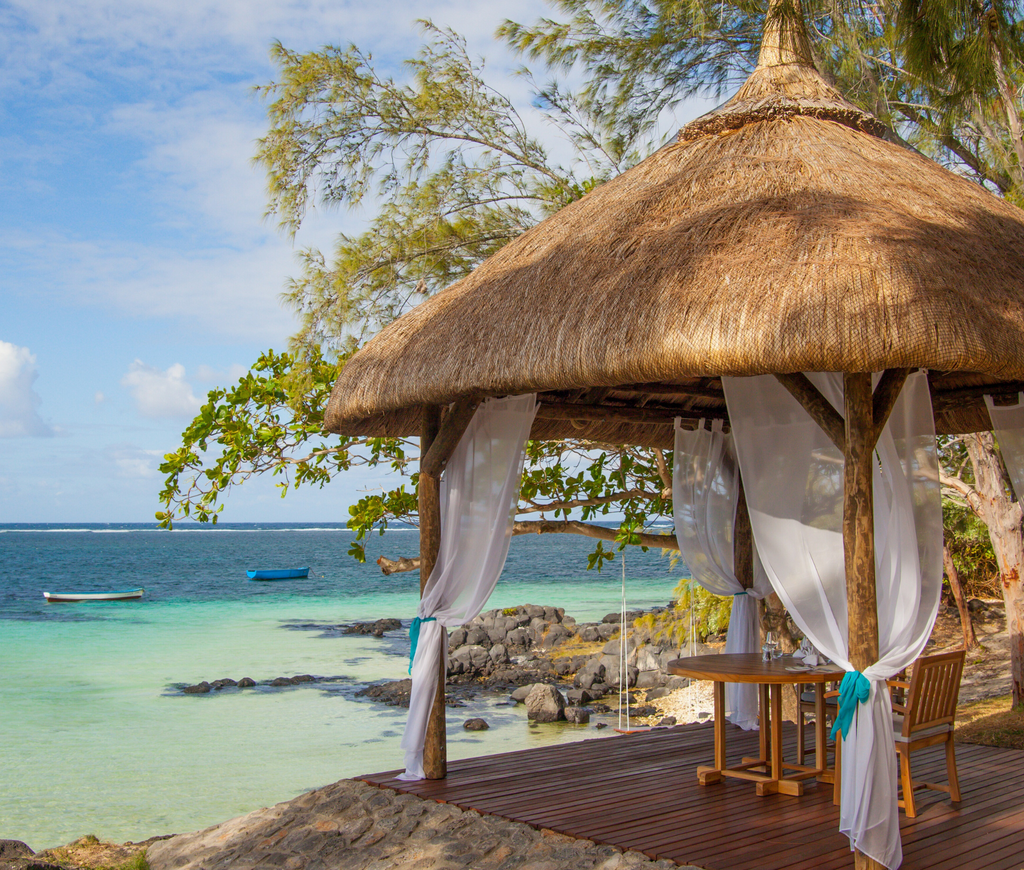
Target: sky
column 137, row 271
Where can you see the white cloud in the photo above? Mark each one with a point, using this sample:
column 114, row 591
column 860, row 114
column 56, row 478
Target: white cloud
column 99, row 398
column 18, row 400
column 209, row 375
column 134, row 463
column 197, row 162
column 161, row 393
column 224, row 292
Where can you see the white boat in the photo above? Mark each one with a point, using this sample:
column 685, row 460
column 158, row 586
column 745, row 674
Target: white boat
column 122, row 595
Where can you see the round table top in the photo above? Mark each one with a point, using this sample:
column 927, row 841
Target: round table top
column 748, row 668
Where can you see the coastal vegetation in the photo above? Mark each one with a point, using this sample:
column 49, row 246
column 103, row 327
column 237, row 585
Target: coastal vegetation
column 452, row 171
column 90, row 853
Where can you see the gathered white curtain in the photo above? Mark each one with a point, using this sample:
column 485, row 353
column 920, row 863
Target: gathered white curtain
column 705, row 496
column 479, row 490
column 1008, row 424
column 793, row 479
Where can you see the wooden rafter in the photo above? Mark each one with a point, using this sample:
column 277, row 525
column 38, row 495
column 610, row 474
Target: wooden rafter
column 886, row 391
column 452, row 427
column 943, row 400
column 553, row 409
column 821, row 411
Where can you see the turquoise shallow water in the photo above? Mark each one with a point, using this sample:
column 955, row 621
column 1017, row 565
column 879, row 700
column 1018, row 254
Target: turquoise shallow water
column 95, row 735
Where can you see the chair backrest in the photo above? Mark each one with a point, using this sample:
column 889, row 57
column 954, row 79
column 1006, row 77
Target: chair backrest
column 933, row 693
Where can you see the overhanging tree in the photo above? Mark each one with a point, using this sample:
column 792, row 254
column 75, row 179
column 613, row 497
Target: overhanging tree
column 454, row 172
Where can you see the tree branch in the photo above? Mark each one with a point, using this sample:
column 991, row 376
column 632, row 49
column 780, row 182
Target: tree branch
column 663, row 473
column 545, row 527
column 587, row 502
column 965, row 490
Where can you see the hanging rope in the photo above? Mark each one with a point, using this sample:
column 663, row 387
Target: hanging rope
column 623, row 654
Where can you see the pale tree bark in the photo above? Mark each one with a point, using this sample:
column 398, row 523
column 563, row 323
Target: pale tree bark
column 547, row 527
column 990, row 498
column 970, row 639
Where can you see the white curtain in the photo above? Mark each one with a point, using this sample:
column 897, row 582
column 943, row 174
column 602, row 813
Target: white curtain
column 1008, row 423
column 705, row 495
column 479, row 490
column 793, row 478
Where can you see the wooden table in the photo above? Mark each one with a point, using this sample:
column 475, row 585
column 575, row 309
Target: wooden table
column 768, row 771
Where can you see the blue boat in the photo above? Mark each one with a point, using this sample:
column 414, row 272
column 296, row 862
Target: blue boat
column 278, row 573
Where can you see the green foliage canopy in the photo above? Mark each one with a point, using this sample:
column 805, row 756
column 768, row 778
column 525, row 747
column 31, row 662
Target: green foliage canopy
column 946, row 75
column 451, row 172
column 446, row 162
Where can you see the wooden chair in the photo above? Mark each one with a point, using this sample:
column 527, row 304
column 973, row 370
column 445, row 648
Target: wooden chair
column 805, row 706
column 926, row 719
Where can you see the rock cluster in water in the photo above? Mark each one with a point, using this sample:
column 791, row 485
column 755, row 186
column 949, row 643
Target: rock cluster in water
column 377, row 628
column 205, row 687
column 530, row 650
column 518, row 644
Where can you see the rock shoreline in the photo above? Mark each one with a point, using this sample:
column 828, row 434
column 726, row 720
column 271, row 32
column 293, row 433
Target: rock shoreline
column 354, row 826
column 561, row 669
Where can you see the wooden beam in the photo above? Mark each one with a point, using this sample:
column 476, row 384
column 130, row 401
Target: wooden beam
column 666, row 389
column 886, row 393
column 452, row 427
column 827, row 417
column 943, row 400
column 435, row 749
column 661, row 416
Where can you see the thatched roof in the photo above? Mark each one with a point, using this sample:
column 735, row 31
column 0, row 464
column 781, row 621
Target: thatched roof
column 779, row 233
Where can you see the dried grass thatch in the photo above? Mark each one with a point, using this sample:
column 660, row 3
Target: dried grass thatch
column 780, row 233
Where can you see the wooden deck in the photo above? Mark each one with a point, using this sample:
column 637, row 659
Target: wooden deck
column 640, row 792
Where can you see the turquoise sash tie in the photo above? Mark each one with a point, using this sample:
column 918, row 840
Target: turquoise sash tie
column 414, row 636
column 853, row 690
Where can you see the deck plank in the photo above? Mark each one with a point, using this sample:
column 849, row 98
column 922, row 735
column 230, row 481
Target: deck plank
column 640, row 792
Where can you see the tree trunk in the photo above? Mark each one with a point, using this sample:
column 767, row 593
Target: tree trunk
column 992, row 502
column 970, row 639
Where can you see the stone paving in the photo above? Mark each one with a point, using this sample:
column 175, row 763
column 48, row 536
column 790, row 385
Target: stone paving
column 353, row 826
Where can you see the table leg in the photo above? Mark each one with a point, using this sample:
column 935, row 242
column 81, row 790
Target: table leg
column 720, row 725
column 776, row 717
column 708, row 775
column 820, row 734
column 764, row 721
column 777, row 784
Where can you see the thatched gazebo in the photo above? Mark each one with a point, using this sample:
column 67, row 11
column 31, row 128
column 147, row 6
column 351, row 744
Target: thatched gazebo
column 782, row 233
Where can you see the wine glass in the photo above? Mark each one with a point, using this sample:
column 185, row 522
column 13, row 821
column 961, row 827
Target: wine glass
column 771, row 644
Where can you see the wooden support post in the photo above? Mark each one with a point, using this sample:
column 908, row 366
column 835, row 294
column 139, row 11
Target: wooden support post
column 435, row 750
column 859, row 533
column 743, row 541
column 866, row 414
column 859, row 521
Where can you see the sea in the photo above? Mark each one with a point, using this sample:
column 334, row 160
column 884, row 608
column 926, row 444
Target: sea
column 97, row 737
